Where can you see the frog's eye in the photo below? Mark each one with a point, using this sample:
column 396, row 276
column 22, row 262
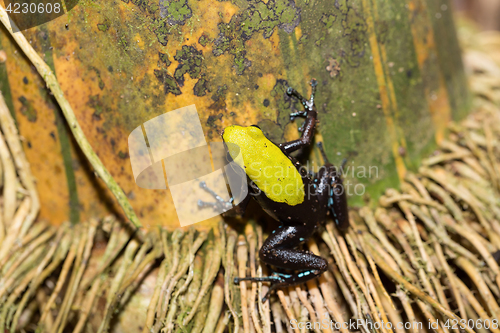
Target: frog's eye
column 256, row 126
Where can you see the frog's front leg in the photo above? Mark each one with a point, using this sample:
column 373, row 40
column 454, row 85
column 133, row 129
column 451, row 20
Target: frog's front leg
column 307, row 128
column 279, row 250
column 222, row 206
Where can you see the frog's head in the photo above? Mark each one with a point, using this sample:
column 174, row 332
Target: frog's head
column 238, row 138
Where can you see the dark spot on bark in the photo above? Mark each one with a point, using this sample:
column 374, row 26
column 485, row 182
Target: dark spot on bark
column 355, row 29
column 204, row 40
column 212, row 119
column 220, row 93
column 260, row 74
column 110, row 69
column 27, row 109
column 164, row 59
column 176, row 11
column 256, row 87
column 284, row 103
column 200, row 88
column 219, row 98
column 266, row 102
column 102, row 27
column 53, row 135
column 28, row 144
column 146, row 6
column 25, row 80
column 96, row 104
column 161, row 29
column 122, row 155
column 328, row 20
column 169, row 83
column 190, row 62
column 99, row 79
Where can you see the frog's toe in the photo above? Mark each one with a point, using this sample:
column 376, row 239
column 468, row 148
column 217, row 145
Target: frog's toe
column 203, row 204
column 292, row 92
column 294, row 115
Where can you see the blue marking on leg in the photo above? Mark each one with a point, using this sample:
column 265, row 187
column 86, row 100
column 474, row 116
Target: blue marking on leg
column 286, row 276
column 305, row 273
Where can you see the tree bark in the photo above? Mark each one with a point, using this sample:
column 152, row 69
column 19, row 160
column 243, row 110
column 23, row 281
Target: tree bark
column 390, row 78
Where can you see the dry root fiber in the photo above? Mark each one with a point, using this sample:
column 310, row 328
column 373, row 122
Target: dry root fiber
column 428, row 254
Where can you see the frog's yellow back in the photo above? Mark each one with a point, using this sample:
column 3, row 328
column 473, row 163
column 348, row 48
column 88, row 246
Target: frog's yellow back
column 265, row 164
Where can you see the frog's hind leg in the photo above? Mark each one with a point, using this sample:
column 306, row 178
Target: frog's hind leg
column 279, row 250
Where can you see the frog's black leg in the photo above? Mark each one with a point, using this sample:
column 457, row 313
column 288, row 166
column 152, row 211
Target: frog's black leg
column 294, row 115
column 279, row 250
column 310, row 123
column 337, row 201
